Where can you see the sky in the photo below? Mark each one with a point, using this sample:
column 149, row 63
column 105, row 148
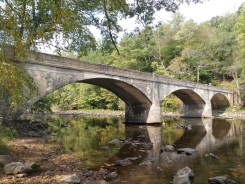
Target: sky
column 208, row 9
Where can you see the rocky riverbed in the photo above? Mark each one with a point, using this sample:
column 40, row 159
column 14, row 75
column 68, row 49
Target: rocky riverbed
column 52, row 165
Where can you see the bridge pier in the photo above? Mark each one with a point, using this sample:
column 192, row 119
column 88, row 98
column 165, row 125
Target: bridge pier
column 207, row 111
column 197, row 110
column 143, row 113
column 148, row 113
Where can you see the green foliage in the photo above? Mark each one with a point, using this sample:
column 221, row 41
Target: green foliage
column 43, row 105
column 171, row 104
column 6, row 134
column 80, row 96
column 15, row 86
column 240, row 29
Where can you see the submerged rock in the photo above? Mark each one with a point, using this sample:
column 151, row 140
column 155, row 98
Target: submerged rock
column 187, row 151
column 147, row 162
column 111, row 175
column 220, row 180
column 181, row 179
column 123, row 162
column 187, row 127
column 168, row 148
column 186, row 170
column 100, row 182
column 213, row 156
column 133, row 158
column 104, row 148
column 70, row 179
column 114, row 141
column 183, row 176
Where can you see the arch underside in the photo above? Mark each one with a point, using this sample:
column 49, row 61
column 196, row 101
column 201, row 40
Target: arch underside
column 137, row 104
column 193, row 103
column 219, row 102
column 128, row 93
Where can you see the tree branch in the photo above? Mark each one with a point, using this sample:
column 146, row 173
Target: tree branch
column 109, row 27
column 12, row 8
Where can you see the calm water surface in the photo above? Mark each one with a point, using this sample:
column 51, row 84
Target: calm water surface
column 86, row 135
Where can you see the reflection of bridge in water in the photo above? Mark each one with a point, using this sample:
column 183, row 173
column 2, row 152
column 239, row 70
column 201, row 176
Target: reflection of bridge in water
column 205, row 136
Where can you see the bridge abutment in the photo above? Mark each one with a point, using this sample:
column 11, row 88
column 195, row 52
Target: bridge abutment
column 197, row 111
column 149, row 113
column 143, row 113
column 207, row 111
column 155, row 113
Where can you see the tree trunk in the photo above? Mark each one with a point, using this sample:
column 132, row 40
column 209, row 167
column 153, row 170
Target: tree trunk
column 198, row 75
column 238, row 95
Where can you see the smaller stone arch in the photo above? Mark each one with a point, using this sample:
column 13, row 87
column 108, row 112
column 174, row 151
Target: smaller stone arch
column 219, row 101
column 193, row 103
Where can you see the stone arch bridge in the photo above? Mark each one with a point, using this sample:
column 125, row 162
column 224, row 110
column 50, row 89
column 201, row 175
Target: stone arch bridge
column 141, row 92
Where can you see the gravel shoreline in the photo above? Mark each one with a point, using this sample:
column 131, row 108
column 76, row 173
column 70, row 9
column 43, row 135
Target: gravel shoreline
column 224, row 115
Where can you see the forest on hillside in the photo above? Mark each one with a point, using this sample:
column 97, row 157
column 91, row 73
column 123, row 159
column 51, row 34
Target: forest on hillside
column 211, row 53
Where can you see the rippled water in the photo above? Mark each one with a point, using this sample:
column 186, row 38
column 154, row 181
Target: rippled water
column 86, row 135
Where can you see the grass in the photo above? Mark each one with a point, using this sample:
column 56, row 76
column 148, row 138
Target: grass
column 6, row 134
column 235, row 109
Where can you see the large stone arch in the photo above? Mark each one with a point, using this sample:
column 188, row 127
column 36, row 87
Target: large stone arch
column 136, row 95
column 127, row 92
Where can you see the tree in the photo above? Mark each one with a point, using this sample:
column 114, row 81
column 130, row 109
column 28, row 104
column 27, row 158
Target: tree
column 30, row 23
column 240, row 29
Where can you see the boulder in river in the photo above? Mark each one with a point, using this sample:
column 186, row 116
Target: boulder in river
column 15, row 168
column 70, row 179
column 111, row 175
column 187, row 151
column 19, row 167
column 105, row 148
column 220, row 180
column 114, row 141
column 123, row 162
column 213, row 156
column 168, row 148
column 183, row 176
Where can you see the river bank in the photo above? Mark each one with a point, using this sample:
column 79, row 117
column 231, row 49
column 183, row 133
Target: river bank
column 110, row 113
column 34, row 145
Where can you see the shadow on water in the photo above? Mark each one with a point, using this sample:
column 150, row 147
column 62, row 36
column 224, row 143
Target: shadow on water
column 86, row 135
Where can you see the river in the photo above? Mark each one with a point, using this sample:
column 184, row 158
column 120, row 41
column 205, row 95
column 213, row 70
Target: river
column 88, row 138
